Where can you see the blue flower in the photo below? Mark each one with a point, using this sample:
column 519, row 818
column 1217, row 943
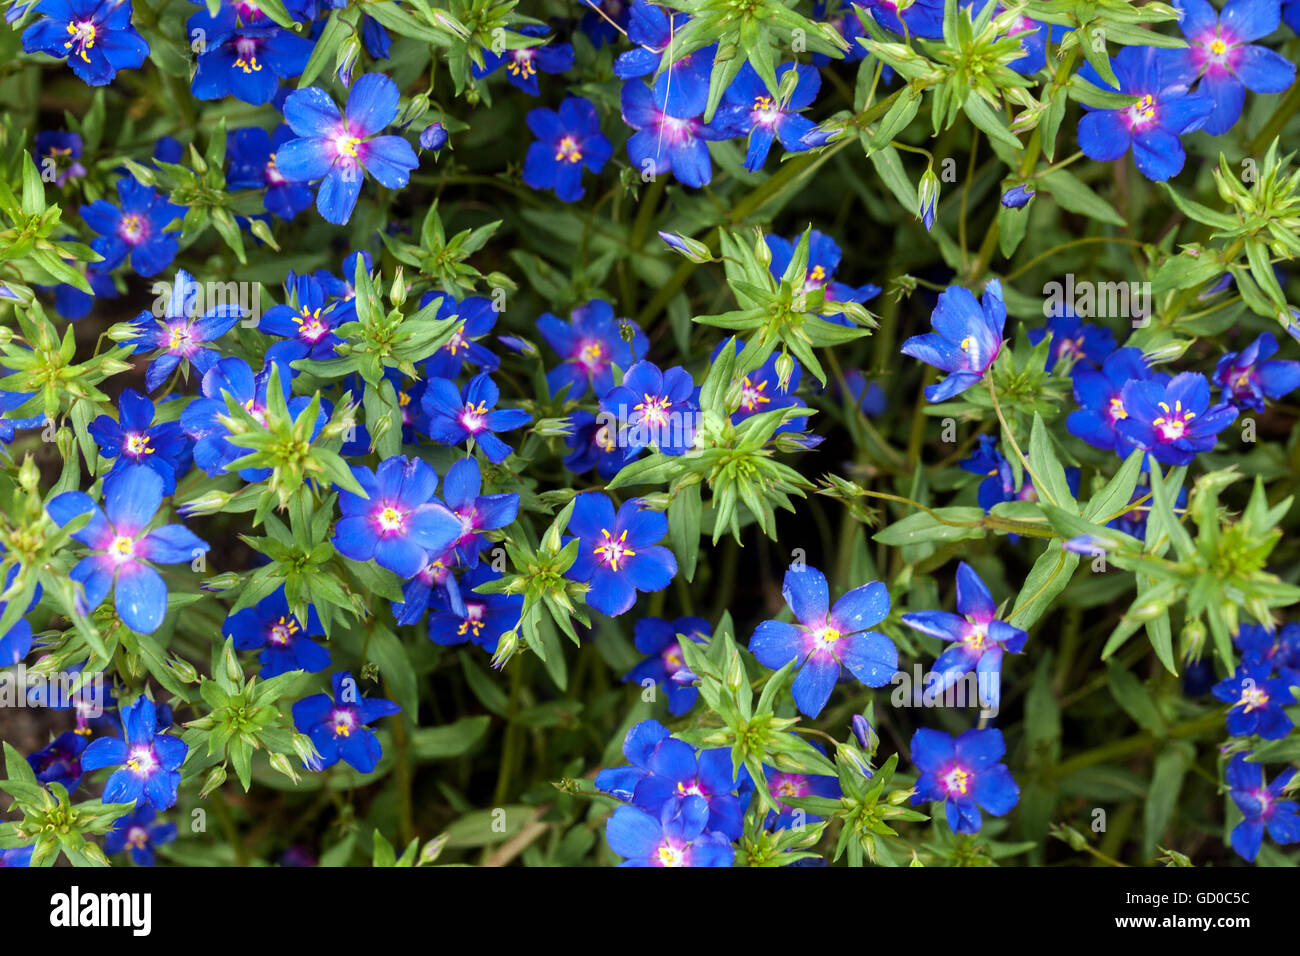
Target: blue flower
column 149, row 760
column 1073, row 340
column 479, row 315
column 1151, row 126
column 676, row 837
column 400, row 524
column 455, row 417
column 662, row 641
column 1280, row 648
column 999, row 482
column 590, row 344
column 432, row 585
column 96, row 36
column 664, row 140
column 1251, row 375
column 231, row 379
column 567, row 141
column 618, row 554
column 122, row 546
column 59, row 761
column 595, row 443
column 823, row 261
column 337, row 725
column 476, row 513
column 269, row 626
column 966, row 774
column 655, row 408
column 434, row 137
column 683, row 88
column 134, row 440
column 307, row 321
column 781, row 784
column 979, row 639
column 966, row 340
column 337, row 148
column 178, row 336
column 60, row 151
column 923, row 18
column 135, row 230
column 1017, row 197
column 72, row 303
column 1262, row 806
column 1257, row 699
column 665, row 772
column 1176, row 421
column 1222, row 57
column 826, row 638
column 1099, row 394
column 252, row 153
column 138, row 833
column 248, row 62
column 751, row 110
column 523, row 66
column 481, row 618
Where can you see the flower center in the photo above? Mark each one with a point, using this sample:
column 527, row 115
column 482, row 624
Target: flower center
column 273, row 175
column 751, row 395
column 568, row 150
column 1116, row 410
column 283, row 630
column 83, row 38
column 1252, row 699
column 668, row 855
column 1173, row 425
column 473, row 622
column 345, row 144
column 137, row 444
column 391, row 521
column 142, row 761
column 1142, row 113
column 654, row 411
column 311, row 326
column 246, row 47
column 590, row 355
column 472, row 417
column 613, row 550
column 122, row 548
column 521, row 64
column 138, row 837
column 957, row 780
column 133, row 229
column 344, row 721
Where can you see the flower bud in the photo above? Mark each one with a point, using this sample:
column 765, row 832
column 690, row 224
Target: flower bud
column 280, row 763
column 214, row 780
column 928, row 197
column 691, row 249
column 506, row 649
column 208, row 503
column 784, row 370
column 433, row 137
column 430, row 852
column 1017, row 197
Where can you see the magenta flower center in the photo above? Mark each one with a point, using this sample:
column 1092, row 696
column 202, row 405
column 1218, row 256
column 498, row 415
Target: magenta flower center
column 473, row 415
column 133, row 229
column 1142, row 113
column 654, row 410
column 958, row 781
column 283, row 630
column 613, row 551
column 473, row 622
column 138, row 837
column 83, row 38
column 137, row 445
column 344, row 721
column 591, row 356
column 751, row 395
column 122, row 548
column 246, row 48
column 1172, row 425
column 390, row 520
column 568, row 150
column 141, row 761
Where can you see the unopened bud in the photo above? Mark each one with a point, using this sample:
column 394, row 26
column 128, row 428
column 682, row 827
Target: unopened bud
column 214, row 780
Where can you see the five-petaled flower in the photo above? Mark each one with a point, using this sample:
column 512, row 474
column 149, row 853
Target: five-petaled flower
column 337, row 725
column 338, row 148
column 1257, row 699
column 1175, row 421
column 95, row 36
column 827, row 637
column 399, row 523
column 271, row 627
column 121, row 544
column 1261, row 805
column 979, row 638
column 456, row 416
column 568, row 141
column 135, row 230
column 618, row 554
column 965, row 773
column 149, row 760
column 966, row 340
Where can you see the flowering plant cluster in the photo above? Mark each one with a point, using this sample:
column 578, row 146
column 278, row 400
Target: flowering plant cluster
column 649, row 432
